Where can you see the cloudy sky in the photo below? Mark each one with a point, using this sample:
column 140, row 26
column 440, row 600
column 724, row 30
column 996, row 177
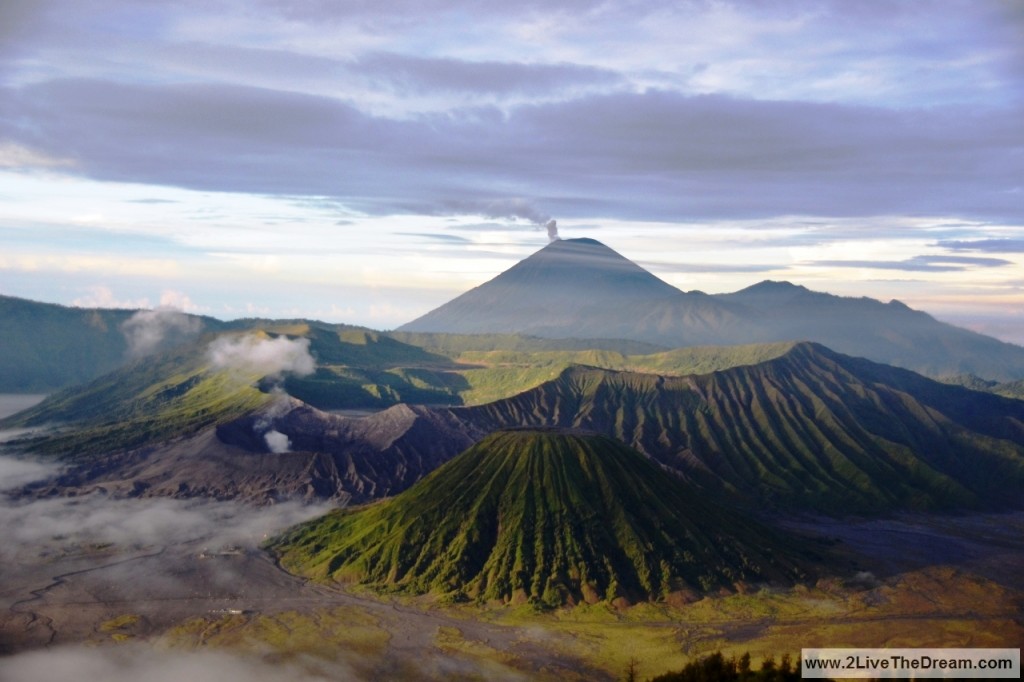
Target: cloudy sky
column 365, row 161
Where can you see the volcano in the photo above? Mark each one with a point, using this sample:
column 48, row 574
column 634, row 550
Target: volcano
column 549, row 517
column 582, row 289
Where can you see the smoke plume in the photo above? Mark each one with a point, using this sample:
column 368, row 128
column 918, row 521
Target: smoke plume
column 519, row 209
column 262, row 355
column 552, row 226
column 146, row 330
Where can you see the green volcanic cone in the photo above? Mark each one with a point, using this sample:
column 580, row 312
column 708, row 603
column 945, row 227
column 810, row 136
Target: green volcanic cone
column 544, row 516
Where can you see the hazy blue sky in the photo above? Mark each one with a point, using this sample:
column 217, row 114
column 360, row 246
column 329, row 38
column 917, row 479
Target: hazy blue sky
column 365, row 161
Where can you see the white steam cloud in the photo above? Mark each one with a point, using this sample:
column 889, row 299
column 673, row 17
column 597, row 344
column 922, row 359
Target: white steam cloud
column 277, row 442
column 261, row 355
column 147, row 329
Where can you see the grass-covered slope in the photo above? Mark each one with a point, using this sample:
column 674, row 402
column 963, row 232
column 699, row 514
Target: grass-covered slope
column 179, row 392
column 171, row 395
column 810, row 429
column 546, row 517
column 44, row 347
column 365, row 369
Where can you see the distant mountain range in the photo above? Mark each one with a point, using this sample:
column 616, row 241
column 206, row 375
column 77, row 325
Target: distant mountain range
column 800, row 428
column 574, row 294
column 581, row 288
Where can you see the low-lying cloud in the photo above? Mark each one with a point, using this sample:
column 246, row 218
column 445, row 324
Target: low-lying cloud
column 262, row 355
column 31, row 524
column 138, row 662
column 16, row 472
column 146, row 330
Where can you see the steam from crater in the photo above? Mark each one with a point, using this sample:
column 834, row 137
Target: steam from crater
column 516, row 209
column 552, row 226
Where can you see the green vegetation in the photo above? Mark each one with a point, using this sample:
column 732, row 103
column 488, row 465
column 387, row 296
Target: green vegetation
column 503, row 373
column 174, row 393
column 717, row 668
column 154, row 399
column 453, row 345
column 546, row 518
column 786, row 426
column 810, row 429
column 346, row 634
column 1010, row 389
column 48, row 347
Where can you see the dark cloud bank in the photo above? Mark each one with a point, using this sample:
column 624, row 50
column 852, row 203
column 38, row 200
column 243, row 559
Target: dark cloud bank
column 650, row 155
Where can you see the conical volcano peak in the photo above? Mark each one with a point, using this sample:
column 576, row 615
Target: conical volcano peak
column 552, row 517
column 586, row 260
column 568, row 288
column 577, row 242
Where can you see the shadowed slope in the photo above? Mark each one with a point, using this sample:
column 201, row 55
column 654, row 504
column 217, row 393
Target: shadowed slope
column 811, row 429
column 47, row 346
column 580, row 288
column 543, row 516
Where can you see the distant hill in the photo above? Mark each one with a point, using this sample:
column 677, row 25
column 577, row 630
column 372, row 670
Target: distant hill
column 547, row 517
column 891, row 333
column 44, row 347
column 582, row 288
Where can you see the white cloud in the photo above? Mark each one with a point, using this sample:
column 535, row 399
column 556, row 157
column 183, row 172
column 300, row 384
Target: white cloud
column 96, row 264
column 261, row 355
column 101, row 296
column 146, row 330
column 34, row 525
column 585, row 110
column 16, row 472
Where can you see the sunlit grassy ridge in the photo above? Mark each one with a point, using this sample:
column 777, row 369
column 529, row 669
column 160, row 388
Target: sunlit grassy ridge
column 504, row 373
column 810, row 429
column 175, row 393
column 544, row 517
column 154, row 399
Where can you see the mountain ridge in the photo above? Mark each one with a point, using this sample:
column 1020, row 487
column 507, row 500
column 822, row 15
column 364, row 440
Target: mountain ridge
column 800, row 428
column 590, row 301
column 810, row 429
